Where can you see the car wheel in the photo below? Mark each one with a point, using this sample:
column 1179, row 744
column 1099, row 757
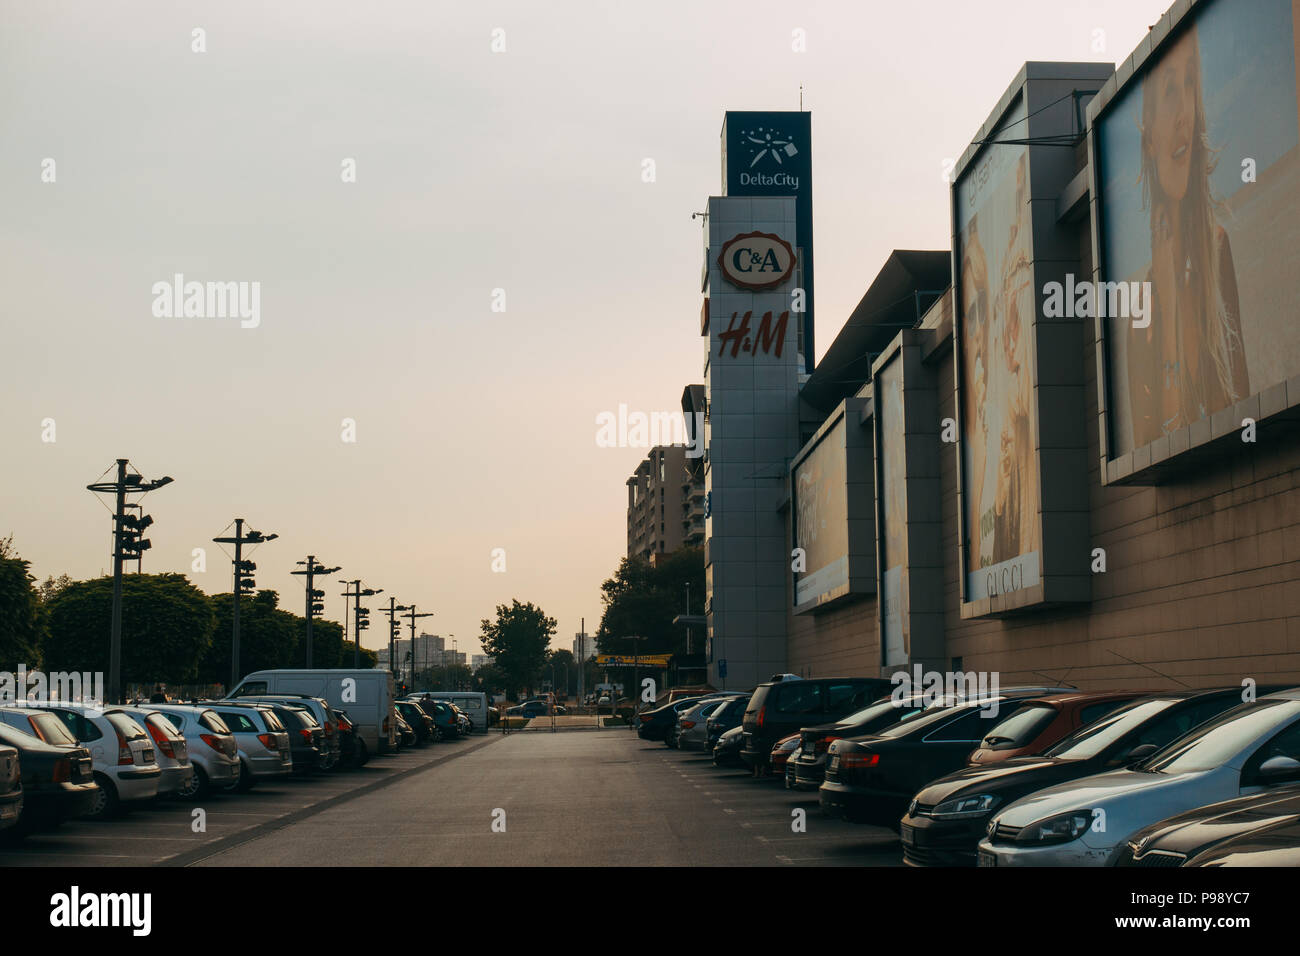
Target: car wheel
column 363, row 753
column 106, row 802
column 437, row 734
column 245, row 782
column 198, row 785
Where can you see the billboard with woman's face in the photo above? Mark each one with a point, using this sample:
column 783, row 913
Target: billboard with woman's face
column 821, row 520
column 1002, row 531
column 1199, row 191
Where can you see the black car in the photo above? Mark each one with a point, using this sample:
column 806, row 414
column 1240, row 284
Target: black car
column 726, row 752
column 948, row 817
column 58, row 780
column 351, row 755
column 421, row 723
column 658, row 723
column 1251, row 826
column 782, row 707
column 11, row 788
column 729, row 714
column 807, row 770
column 307, row 744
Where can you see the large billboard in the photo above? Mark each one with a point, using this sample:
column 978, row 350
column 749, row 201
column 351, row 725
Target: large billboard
column 770, row 154
column 1198, row 171
column 1002, row 534
column 821, row 521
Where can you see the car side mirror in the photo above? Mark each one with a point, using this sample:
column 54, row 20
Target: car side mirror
column 1140, row 752
column 1278, row 769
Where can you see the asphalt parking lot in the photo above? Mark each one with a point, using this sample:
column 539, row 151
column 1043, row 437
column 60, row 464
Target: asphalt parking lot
column 164, row 833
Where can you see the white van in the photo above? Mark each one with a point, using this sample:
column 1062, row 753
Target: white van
column 366, row 695
column 473, row 704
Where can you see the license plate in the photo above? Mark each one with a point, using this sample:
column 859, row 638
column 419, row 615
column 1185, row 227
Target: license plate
column 9, row 811
column 907, row 835
column 986, row 858
column 835, row 762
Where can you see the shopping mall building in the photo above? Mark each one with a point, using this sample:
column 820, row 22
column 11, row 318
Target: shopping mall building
column 1067, row 448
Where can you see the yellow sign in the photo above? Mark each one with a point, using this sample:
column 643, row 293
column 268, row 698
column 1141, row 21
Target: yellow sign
column 630, row 660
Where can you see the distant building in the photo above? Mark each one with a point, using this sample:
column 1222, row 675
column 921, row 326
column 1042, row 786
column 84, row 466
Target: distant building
column 584, row 646
column 479, row 660
column 665, row 503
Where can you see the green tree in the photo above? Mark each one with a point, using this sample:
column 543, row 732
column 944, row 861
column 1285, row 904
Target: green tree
column 517, row 641
column 268, row 636
column 641, row 600
column 369, row 658
column 22, row 615
column 52, row 587
column 167, row 626
column 326, row 644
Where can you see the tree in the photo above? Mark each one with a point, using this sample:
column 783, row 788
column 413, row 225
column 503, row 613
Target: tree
column 52, row 587
column 167, row 626
column 326, row 644
column 22, row 615
column 517, row 641
column 641, row 600
column 268, row 636
column 369, row 658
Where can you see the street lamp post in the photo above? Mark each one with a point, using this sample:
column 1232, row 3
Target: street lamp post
column 359, row 622
column 411, row 615
column 242, row 581
column 314, row 597
column 127, row 545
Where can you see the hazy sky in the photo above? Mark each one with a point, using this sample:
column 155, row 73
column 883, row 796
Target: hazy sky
column 519, row 170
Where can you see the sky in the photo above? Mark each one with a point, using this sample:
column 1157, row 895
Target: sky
column 499, row 272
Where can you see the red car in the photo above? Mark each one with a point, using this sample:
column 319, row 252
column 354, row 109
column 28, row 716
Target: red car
column 1038, row 722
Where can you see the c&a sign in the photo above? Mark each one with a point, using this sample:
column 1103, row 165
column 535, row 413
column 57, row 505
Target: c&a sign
column 756, row 260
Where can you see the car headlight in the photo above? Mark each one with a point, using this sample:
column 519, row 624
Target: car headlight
column 966, row 808
column 1058, row 829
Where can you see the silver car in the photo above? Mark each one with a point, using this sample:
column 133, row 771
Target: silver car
column 1088, row 822
column 262, row 740
column 170, row 749
column 692, row 726
column 212, row 747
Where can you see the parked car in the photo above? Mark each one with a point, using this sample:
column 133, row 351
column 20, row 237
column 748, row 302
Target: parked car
column 352, row 752
column 473, row 704
column 212, row 748
column 170, row 749
column 530, row 709
column 1037, row 723
column 807, row 769
column 787, row 763
column 1253, row 747
column 58, row 778
column 948, row 816
column 871, row 778
column 655, row 724
column 321, row 711
column 264, row 749
column 781, row 752
column 726, row 752
column 425, row 729
column 780, row 708
column 691, row 730
column 729, row 714
column 11, row 787
column 124, row 764
column 1251, row 825
column 307, row 745
column 446, row 723
column 405, row 732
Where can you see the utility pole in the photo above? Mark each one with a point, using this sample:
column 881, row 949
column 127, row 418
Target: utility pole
column 127, row 545
column 243, row 584
column 411, row 615
column 394, row 631
column 361, row 620
column 315, row 597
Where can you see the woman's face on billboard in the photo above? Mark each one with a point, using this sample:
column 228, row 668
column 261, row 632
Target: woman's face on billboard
column 1174, row 122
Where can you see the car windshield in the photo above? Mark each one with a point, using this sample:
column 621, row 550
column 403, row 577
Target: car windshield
column 50, row 729
column 922, row 719
column 126, row 726
column 867, row 715
column 212, row 720
column 1089, row 741
column 1216, row 741
column 160, row 723
column 1023, row 725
